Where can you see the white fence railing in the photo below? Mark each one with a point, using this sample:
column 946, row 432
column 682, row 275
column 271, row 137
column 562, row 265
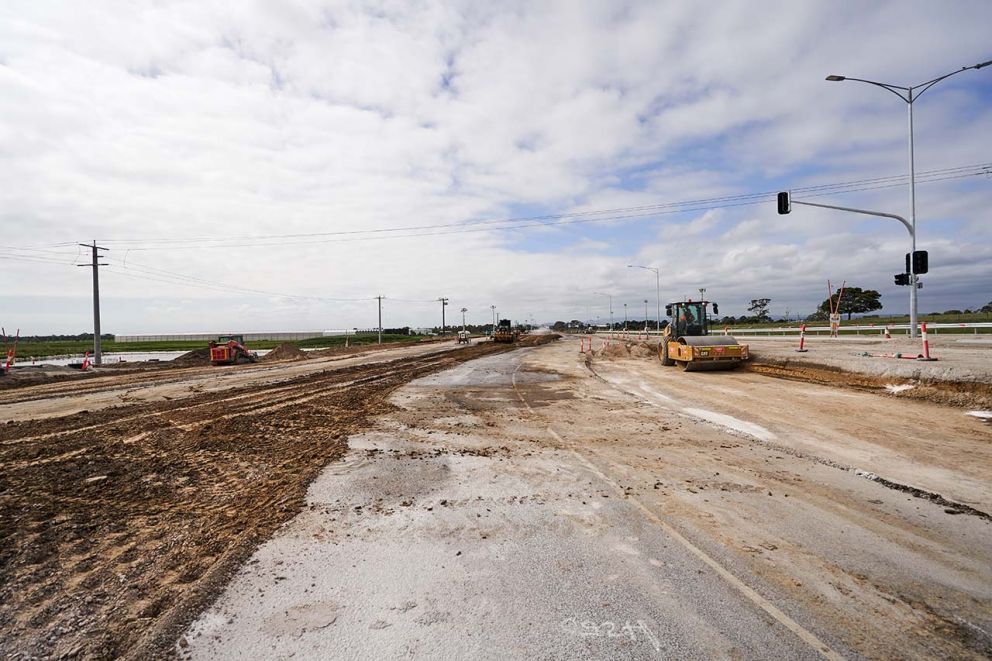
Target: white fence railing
column 869, row 329
column 858, row 330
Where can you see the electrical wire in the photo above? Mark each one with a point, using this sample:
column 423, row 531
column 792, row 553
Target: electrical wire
column 572, row 217
column 153, row 274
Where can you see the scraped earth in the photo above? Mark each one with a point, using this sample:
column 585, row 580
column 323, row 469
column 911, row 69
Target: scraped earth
column 534, row 504
column 118, row 525
column 495, row 501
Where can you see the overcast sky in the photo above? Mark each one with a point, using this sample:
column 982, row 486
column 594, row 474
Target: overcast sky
column 234, row 155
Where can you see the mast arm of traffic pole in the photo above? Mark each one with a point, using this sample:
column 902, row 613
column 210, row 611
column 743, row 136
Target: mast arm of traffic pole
column 909, row 228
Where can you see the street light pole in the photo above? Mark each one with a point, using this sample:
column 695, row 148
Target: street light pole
column 657, row 284
column 610, row 296
column 625, row 316
column 493, row 308
column 464, row 310
column 909, row 95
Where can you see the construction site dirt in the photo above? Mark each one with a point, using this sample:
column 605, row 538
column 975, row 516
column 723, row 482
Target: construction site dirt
column 553, row 505
column 119, row 523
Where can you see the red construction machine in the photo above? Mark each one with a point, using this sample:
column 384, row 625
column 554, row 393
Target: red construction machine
column 231, row 350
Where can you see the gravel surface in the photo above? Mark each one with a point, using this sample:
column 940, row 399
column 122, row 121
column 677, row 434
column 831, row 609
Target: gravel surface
column 527, row 506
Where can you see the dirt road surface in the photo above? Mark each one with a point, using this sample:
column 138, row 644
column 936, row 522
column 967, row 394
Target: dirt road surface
column 529, row 505
column 121, row 517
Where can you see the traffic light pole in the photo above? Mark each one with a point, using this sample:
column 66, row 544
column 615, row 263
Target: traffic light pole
column 912, row 236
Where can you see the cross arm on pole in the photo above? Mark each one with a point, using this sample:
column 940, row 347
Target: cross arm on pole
column 906, row 224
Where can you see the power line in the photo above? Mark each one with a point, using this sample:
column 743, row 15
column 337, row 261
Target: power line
column 560, row 219
column 745, row 200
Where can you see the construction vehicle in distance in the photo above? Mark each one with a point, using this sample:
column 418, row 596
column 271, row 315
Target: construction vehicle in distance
column 231, row 350
column 463, row 337
column 504, row 332
column 685, row 340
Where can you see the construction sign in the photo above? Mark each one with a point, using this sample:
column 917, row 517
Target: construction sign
column 834, row 307
column 834, row 324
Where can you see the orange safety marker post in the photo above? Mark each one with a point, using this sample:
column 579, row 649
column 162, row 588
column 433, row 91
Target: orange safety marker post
column 86, row 361
column 926, row 343
column 802, row 339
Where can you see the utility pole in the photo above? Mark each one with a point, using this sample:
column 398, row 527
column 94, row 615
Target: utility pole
column 444, row 304
column 464, row 310
column 625, row 316
column 702, row 293
column 493, row 308
column 379, row 298
column 97, row 347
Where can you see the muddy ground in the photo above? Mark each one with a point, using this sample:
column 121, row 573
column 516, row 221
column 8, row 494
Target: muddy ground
column 554, row 507
column 118, row 525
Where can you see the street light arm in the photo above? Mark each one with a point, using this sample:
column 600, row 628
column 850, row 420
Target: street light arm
column 884, row 86
column 930, row 83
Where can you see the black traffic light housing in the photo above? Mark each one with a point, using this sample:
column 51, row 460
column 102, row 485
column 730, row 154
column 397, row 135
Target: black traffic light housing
column 784, row 203
column 920, row 260
column 902, row 278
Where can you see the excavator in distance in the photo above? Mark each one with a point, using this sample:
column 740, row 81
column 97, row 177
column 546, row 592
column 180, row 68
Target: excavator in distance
column 686, row 342
column 231, row 350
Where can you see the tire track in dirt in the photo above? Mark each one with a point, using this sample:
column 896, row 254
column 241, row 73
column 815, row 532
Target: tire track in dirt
column 113, row 537
column 747, row 591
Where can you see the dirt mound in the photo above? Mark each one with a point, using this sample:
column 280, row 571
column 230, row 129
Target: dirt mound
column 537, row 339
column 194, row 357
column 644, row 350
column 285, row 352
column 614, row 350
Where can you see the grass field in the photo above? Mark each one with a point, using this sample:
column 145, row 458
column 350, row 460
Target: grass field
column 28, row 350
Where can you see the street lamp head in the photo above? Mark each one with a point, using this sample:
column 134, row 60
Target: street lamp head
column 983, row 64
column 833, row 78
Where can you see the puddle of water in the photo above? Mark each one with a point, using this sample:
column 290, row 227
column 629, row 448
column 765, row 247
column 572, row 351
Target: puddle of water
column 122, row 357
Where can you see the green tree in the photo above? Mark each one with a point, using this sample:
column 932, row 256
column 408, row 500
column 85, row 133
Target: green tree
column 759, row 308
column 987, row 308
column 855, row 301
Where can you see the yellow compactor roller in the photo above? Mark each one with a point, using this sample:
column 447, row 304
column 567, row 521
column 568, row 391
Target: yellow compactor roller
column 685, row 341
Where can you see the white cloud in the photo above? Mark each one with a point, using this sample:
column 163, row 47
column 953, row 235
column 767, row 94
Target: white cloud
column 227, row 119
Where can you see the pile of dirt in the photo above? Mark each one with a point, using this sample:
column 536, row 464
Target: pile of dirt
column 285, row 351
column 194, row 357
column 614, row 350
column 533, row 340
column 644, row 350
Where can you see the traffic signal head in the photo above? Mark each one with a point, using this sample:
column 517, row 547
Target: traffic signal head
column 920, row 262
column 784, row 204
column 902, row 278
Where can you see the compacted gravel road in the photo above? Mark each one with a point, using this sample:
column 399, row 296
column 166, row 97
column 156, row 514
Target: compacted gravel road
column 538, row 504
